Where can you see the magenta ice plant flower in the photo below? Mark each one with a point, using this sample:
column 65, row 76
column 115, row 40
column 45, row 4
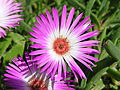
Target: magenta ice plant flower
column 59, row 41
column 23, row 74
column 8, row 9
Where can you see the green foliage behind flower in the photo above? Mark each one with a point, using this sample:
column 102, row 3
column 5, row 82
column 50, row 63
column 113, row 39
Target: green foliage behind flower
column 105, row 15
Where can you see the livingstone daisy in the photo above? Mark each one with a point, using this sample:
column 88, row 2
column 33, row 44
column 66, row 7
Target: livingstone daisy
column 61, row 41
column 24, row 75
column 8, row 9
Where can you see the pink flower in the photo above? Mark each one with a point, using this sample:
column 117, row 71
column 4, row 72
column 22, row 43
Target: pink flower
column 24, row 75
column 63, row 42
column 8, row 9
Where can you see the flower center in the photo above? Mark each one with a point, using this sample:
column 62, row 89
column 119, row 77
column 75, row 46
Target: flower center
column 61, row 46
column 37, row 84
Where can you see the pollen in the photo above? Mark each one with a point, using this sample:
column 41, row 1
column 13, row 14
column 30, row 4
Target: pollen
column 37, row 84
column 61, row 46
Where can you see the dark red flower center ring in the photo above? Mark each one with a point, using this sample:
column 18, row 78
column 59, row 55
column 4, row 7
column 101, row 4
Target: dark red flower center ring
column 37, row 84
column 61, row 46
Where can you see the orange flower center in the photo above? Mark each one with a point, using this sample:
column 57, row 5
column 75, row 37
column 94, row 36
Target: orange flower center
column 37, row 84
column 61, row 46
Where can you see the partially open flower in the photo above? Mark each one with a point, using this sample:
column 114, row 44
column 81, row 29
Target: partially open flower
column 24, row 75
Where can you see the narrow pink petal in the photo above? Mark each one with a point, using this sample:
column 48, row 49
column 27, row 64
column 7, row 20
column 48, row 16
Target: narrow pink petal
column 37, row 52
column 11, row 69
column 89, row 57
column 10, row 76
column 40, row 57
column 46, row 23
column 82, row 22
column 70, row 17
column 46, row 66
column 88, row 35
column 2, row 33
column 42, row 63
column 13, row 73
column 55, row 17
column 84, row 63
column 50, row 20
column 15, row 67
column 15, row 62
column 54, row 70
column 36, row 30
column 64, row 67
column 82, row 29
column 89, row 50
column 63, row 17
column 89, row 42
column 13, row 16
column 42, row 28
column 38, row 46
column 90, row 45
column 60, row 68
column 38, row 20
column 40, row 41
column 76, row 21
column 74, row 67
column 50, row 69
column 40, row 36
column 34, row 34
column 77, row 68
column 86, row 60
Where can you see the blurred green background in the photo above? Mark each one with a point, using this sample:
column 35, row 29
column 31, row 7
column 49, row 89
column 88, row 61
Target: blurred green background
column 105, row 15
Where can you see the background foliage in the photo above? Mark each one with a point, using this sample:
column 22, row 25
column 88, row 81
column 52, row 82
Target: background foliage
column 105, row 15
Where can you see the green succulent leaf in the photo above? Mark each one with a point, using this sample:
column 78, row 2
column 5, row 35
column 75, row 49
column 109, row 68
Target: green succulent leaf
column 89, row 7
column 14, row 52
column 114, row 73
column 4, row 44
column 113, row 50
